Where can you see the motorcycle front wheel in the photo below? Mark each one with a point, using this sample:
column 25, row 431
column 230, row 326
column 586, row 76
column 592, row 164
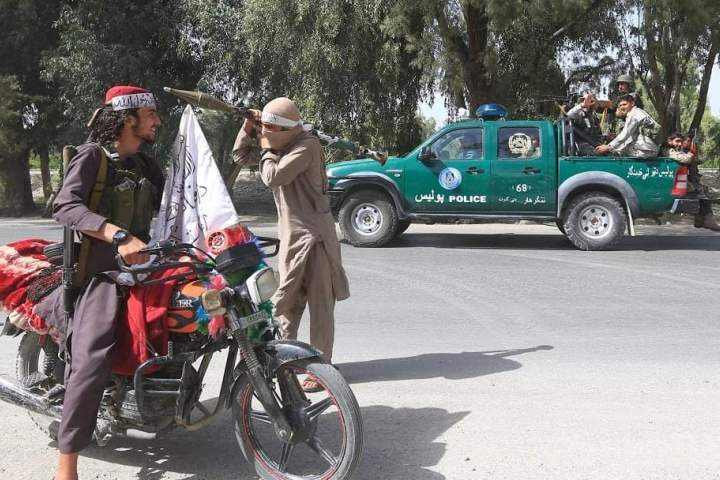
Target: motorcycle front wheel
column 328, row 430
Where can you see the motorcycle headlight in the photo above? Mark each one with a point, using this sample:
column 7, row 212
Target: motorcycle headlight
column 262, row 285
column 213, row 302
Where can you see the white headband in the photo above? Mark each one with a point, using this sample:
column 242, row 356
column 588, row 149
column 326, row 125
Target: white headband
column 275, row 119
column 135, row 100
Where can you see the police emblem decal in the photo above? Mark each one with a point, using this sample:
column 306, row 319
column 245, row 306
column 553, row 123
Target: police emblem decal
column 450, row 178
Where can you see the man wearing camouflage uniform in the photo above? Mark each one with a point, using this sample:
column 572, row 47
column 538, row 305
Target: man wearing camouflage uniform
column 636, row 137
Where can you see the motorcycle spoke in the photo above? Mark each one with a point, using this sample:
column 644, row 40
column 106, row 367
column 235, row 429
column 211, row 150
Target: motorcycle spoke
column 316, row 409
column 285, row 456
column 320, row 449
column 290, row 388
column 260, row 417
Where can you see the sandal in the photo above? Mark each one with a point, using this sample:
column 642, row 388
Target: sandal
column 311, row 385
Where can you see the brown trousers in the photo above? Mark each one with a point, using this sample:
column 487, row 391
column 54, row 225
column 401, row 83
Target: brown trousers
column 317, row 293
column 91, row 338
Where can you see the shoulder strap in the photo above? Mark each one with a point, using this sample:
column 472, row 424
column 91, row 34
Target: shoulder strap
column 68, row 153
column 100, row 180
column 95, row 197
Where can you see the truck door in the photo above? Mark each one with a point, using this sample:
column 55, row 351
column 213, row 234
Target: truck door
column 524, row 170
column 456, row 177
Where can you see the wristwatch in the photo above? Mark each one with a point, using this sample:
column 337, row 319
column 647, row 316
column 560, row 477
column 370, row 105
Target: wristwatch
column 119, row 237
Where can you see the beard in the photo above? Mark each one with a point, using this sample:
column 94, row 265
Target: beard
column 147, row 137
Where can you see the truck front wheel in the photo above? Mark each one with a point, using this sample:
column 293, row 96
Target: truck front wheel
column 594, row 221
column 368, row 218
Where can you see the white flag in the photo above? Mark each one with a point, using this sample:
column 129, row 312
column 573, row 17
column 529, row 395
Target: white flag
column 195, row 201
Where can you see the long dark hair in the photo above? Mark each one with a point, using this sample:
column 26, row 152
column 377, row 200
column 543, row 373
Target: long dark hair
column 108, row 125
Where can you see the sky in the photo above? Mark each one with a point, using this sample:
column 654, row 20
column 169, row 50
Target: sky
column 439, row 112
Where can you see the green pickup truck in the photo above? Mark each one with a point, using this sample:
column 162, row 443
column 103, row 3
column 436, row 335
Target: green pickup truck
column 487, row 169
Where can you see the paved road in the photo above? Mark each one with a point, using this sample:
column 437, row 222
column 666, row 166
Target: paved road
column 488, row 352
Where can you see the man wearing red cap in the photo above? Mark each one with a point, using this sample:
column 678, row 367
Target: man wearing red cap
column 118, row 215
column 292, row 164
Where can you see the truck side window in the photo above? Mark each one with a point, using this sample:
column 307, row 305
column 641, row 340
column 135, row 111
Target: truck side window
column 464, row 144
column 519, row 142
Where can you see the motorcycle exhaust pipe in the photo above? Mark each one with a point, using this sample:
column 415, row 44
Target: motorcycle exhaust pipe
column 13, row 392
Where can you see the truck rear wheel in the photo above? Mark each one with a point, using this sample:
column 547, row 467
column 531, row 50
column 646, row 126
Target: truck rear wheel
column 368, row 218
column 594, row 221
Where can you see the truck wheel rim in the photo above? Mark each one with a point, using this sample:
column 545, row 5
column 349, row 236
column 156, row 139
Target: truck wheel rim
column 367, row 219
column 596, row 221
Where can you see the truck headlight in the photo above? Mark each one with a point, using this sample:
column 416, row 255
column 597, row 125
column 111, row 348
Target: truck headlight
column 262, row 285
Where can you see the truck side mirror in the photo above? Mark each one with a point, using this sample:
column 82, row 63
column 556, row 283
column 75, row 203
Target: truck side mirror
column 426, row 155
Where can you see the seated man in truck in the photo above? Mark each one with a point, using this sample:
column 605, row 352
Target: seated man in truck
column 586, row 125
column 636, row 137
column 471, row 146
column 674, row 149
column 677, row 148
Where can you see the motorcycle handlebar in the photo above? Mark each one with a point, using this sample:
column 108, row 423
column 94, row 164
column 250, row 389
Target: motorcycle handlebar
column 163, row 249
column 159, row 251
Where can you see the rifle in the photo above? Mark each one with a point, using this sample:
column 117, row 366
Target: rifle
column 338, row 143
column 203, row 100
column 68, row 268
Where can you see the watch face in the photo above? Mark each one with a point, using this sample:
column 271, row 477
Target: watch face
column 120, row 236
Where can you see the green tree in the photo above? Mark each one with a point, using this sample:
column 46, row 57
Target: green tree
column 15, row 193
column 664, row 39
column 479, row 51
column 26, row 36
column 348, row 76
column 709, row 140
column 102, row 44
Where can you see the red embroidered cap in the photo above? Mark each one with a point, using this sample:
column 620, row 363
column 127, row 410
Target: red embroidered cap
column 125, row 97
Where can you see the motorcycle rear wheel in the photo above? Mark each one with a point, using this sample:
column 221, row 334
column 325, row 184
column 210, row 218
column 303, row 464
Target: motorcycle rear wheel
column 32, row 359
column 330, row 443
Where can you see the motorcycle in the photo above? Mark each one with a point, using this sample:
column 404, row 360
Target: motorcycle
column 272, row 414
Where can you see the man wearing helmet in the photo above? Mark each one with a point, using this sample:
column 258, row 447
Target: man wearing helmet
column 624, row 86
column 292, row 164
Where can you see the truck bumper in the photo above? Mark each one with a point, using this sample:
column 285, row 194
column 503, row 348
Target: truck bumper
column 686, row 205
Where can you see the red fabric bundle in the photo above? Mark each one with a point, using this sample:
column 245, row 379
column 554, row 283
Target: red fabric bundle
column 145, row 321
column 20, row 263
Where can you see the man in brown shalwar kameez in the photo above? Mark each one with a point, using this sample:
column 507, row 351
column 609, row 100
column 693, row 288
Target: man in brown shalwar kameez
column 127, row 119
column 292, row 164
